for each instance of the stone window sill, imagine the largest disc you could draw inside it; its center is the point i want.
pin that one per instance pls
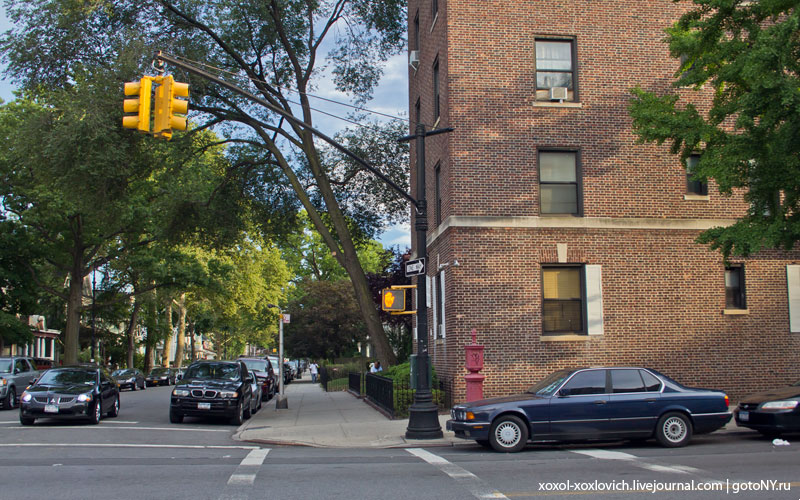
(556, 104)
(565, 338)
(696, 197)
(735, 312)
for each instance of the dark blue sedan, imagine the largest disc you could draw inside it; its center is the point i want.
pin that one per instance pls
(593, 403)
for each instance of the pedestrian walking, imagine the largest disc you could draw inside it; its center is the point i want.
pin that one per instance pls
(314, 368)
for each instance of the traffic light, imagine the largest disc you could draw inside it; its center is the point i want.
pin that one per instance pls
(393, 300)
(168, 106)
(140, 105)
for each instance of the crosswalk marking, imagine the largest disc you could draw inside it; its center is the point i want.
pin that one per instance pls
(244, 475)
(468, 480)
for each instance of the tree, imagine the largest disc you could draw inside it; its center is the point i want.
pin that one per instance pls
(93, 193)
(326, 322)
(748, 55)
(19, 293)
(271, 47)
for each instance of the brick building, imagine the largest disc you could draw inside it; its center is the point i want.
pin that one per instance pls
(555, 235)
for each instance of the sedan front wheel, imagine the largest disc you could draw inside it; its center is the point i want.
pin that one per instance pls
(508, 434)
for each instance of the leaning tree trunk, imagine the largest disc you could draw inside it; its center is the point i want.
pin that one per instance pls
(132, 332)
(180, 347)
(170, 335)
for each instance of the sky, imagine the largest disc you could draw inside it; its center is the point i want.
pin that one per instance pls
(391, 97)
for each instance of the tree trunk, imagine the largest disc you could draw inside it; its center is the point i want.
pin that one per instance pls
(132, 332)
(170, 334)
(181, 347)
(192, 340)
(74, 306)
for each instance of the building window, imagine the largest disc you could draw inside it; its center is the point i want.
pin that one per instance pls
(562, 300)
(694, 186)
(438, 193)
(555, 69)
(434, 10)
(734, 288)
(559, 191)
(436, 90)
(439, 287)
(416, 32)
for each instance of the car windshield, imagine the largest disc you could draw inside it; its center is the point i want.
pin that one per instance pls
(228, 371)
(122, 373)
(548, 385)
(5, 365)
(75, 376)
(158, 371)
(258, 365)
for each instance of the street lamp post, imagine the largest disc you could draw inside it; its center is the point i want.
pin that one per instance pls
(281, 403)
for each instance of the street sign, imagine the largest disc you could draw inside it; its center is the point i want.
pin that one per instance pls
(286, 318)
(415, 267)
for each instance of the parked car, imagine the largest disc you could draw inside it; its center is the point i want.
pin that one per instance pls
(255, 400)
(276, 369)
(42, 364)
(213, 389)
(16, 373)
(71, 392)
(265, 375)
(772, 412)
(179, 373)
(298, 371)
(161, 376)
(591, 404)
(129, 378)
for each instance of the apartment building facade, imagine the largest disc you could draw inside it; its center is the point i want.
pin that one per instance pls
(552, 232)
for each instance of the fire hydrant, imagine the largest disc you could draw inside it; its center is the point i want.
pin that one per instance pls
(474, 365)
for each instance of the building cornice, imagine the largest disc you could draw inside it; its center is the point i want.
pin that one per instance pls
(611, 223)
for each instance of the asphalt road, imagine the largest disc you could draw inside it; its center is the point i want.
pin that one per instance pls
(140, 455)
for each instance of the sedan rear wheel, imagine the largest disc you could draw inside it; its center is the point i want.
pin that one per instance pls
(674, 430)
(11, 399)
(508, 434)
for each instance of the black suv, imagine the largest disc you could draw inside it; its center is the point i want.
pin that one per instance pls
(213, 389)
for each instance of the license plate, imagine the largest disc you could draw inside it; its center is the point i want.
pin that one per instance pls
(744, 416)
(50, 409)
(203, 406)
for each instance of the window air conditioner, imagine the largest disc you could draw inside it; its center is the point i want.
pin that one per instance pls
(413, 59)
(558, 93)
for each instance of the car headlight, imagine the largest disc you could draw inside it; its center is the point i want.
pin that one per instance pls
(180, 392)
(779, 405)
(228, 394)
(132, 380)
(85, 397)
(26, 397)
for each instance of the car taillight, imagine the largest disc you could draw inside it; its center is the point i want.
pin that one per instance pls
(727, 402)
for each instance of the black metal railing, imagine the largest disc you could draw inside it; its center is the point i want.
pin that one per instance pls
(380, 391)
(354, 382)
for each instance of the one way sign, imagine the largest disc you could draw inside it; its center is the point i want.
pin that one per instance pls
(415, 267)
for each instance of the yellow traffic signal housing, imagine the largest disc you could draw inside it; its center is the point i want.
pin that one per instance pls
(140, 105)
(168, 107)
(393, 300)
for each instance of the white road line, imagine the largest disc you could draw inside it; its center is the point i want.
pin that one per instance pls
(126, 445)
(107, 426)
(256, 457)
(637, 462)
(242, 479)
(465, 478)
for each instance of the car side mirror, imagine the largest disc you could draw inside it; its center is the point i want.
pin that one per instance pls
(249, 379)
(563, 393)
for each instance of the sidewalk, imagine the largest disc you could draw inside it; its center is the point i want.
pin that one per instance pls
(341, 420)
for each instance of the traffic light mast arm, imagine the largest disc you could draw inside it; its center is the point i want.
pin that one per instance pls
(160, 56)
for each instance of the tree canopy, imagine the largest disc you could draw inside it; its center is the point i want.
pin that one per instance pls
(747, 56)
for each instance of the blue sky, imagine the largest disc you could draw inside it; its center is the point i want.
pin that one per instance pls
(391, 97)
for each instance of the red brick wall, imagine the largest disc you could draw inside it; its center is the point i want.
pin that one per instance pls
(663, 294)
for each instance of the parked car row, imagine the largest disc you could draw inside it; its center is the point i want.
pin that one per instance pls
(617, 403)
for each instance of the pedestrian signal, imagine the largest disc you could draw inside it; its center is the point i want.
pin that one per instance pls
(393, 300)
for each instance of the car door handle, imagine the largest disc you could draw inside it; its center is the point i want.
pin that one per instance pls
(651, 400)
(600, 402)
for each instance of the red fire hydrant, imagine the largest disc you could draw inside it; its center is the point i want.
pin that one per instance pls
(474, 365)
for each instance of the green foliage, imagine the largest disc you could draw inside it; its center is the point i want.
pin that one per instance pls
(748, 54)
